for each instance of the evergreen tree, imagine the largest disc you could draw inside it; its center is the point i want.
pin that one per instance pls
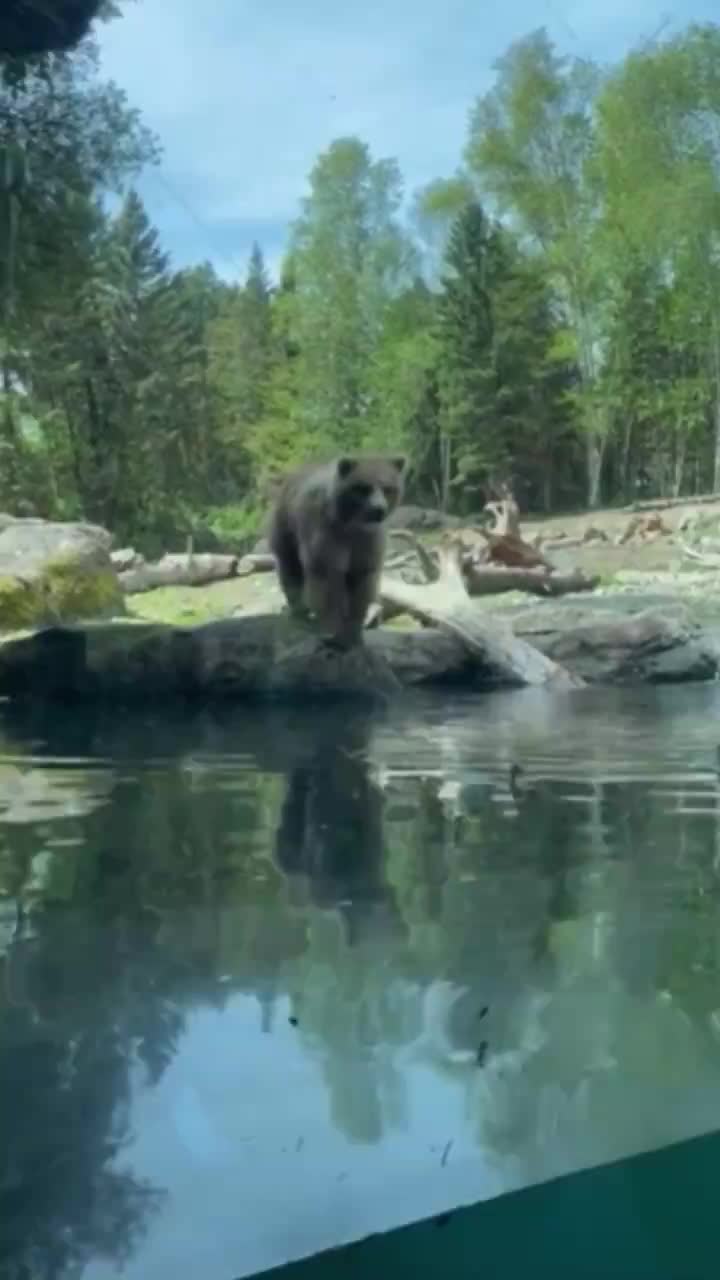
(243, 353)
(276, 441)
(130, 382)
(502, 382)
(257, 348)
(465, 336)
(531, 382)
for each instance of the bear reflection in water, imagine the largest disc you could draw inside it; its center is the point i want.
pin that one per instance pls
(330, 835)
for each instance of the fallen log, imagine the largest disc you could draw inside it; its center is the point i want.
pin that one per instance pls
(561, 544)
(486, 580)
(255, 562)
(640, 527)
(483, 578)
(445, 603)
(663, 503)
(125, 558)
(490, 580)
(425, 557)
(178, 571)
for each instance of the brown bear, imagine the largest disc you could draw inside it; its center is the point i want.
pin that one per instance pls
(327, 533)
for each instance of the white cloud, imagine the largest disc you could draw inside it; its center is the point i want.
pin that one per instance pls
(244, 93)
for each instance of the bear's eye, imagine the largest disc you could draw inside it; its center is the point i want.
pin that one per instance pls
(390, 492)
(361, 490)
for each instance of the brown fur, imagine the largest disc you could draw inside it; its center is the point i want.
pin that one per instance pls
(328, 536)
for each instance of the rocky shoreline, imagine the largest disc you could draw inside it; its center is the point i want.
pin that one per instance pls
(73, 633)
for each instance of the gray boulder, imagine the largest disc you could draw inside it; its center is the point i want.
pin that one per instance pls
(55, 571)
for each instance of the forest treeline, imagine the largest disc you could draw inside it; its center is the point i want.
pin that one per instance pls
(549, 314)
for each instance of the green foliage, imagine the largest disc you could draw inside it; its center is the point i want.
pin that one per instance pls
(350, 259)
(548, 314)
(501, 381)
(531, 145)
(235, 526)
(657, 157)
(402, 405)
(243, 353)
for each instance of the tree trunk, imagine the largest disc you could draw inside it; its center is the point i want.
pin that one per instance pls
(595, 451)
(445, 471)
(716, 363)
(625, 463)
(547, 487)
(679, 465)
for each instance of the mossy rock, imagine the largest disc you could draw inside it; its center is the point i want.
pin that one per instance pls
(51, 572)
(65, 592)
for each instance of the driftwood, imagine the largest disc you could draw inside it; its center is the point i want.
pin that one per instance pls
(511, 550)
(661, 504)
(425, 557)
(704, 559)
(178, 571)
(506, 514)
(490, 580)
(255, 562)
(485, 579)
(569, 542)
(445, 603)
(593, 533)
(504, 542)
(642, 526)
(125, 558)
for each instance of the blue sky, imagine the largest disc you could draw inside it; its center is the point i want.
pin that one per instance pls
(243, 94)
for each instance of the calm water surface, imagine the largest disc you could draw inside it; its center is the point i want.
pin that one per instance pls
(272, 980)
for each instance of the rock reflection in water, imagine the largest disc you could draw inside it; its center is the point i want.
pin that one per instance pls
(338, 962)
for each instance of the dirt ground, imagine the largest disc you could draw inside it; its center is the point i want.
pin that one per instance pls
(607, 559)
(612, 520)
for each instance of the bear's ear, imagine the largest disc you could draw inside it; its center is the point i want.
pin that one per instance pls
(345, 467)
(400, 463)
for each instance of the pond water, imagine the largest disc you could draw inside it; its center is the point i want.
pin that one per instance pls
(275, 979)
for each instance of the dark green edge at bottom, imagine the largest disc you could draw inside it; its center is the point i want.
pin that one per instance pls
(651, 1217)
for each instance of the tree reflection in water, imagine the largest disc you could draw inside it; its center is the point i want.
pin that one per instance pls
(549, 948)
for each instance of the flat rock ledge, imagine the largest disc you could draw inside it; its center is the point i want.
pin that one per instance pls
(268, 656)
